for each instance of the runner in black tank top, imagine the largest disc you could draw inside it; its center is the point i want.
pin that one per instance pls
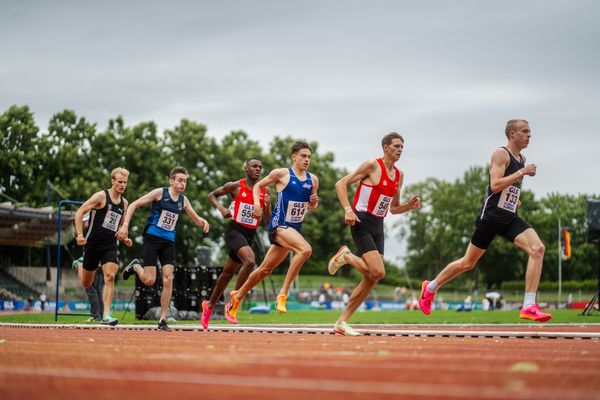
(498, 216)
(107, 208)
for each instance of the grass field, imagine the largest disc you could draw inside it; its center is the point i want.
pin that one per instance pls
(328, 317)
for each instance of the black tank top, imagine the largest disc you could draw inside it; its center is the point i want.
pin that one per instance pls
(104, 223)
(502, 206)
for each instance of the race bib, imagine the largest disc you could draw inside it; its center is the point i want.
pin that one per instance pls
(245, 214)
(167, 220)
(509, 199)
(111, 221)
(382, 205)
(296, 211)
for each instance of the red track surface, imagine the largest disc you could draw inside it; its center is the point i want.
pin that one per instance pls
(109, 364)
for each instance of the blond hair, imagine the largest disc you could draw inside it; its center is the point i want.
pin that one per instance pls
(119, 170)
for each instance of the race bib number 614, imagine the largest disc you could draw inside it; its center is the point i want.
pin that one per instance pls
(296, 211)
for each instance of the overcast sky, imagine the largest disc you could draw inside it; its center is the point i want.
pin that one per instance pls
(447, 75)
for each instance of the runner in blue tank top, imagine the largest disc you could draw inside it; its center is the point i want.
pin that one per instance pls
(296, 193)
(159, 235)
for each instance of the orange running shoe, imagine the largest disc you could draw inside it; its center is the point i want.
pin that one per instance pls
(535, 314)
(280, 303)
(231, 308)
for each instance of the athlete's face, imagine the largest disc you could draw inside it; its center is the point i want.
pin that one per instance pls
(394, 149)
(302, 159)
(254, 169)
(178, 182)
(119, 183)
(521, 135)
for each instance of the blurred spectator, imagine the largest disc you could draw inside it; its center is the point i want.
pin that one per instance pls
(43, 301)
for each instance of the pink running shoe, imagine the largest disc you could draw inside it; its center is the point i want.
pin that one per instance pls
(533, 313)
(206, 313)
(425, 299)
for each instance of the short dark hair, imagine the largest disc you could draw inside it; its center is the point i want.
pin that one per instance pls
(387, 139)
(299, 145)
(251, 159)
(512, 125)
(177, 170)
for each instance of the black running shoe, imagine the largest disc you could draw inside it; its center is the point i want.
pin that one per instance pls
(162, 326)
(129, 269)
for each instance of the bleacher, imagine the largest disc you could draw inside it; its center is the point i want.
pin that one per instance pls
(18, 289)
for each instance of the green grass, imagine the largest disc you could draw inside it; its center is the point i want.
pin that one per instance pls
(328, 317)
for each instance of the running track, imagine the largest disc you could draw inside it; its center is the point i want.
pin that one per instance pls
(136, 362)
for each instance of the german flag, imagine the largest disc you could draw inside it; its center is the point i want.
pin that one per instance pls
(566, 244)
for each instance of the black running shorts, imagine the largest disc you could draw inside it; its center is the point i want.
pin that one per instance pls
(236, 237)
(95, 256)
(273, 234)
(486, 230)
(158, 249)
(368, 233)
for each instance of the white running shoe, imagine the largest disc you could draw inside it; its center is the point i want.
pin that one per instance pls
(342, 328)
(338, 260)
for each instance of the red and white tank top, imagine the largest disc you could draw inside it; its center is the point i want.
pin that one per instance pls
(242, 207)
(376, 199)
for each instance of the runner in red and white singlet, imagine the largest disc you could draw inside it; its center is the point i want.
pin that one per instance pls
(377, 193)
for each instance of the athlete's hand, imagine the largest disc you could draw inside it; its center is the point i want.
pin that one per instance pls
(128, 242)
(314, 201)
(122, 233)
(204, 224)
(267, 198)
(257, 212)
(350, 217)
(225, 212)
(530, 170)
(414, 203)
(81, 240)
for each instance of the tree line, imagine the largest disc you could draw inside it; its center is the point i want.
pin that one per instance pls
(74, 158)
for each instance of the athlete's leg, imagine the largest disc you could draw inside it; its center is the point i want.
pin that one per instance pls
(167, 290)
(85, 277)
(109, 270)
(374, 271)
(529, 241)
(228, 270)
(457, 267)
(275, 255)
(293, 240)
(246, 255)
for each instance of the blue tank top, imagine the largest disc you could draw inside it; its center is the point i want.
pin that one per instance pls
(163, 216)
(292, 203)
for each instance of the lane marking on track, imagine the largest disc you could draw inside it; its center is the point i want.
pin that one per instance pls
(307, 384)
(496, 334)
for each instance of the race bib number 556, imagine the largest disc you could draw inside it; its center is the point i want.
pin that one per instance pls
(167, 220)
(296, 211)
(245, 214)
(509, 199)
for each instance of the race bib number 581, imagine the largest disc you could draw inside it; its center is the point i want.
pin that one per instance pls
(296, 211)
(509, 199)
(381, 207)
(167, 220)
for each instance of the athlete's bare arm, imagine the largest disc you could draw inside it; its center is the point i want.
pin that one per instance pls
(229, 188)
(128, 242)
(149, 197)
(98, 200)
(314, 198)
(363, 171)
(396, 207)
(201, 222)
(275, 176)
(267, 209)
(498, 164)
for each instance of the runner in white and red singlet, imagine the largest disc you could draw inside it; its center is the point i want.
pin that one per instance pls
(377, 193)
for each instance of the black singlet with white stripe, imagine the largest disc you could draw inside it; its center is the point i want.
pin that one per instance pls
(104, 223)
(490, 210)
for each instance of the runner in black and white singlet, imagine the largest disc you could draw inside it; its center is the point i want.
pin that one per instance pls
(159, 235)
(239, 235)
(498, 216)
(296, 194)
(106, 210)
(377, 193)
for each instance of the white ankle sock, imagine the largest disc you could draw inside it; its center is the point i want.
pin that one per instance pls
(529, 299)
(433, 286)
